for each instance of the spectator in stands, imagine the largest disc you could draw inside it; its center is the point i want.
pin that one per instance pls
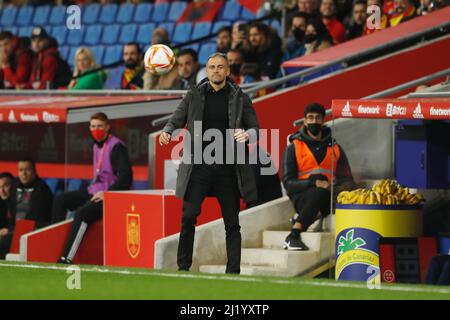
(295, 46)
(235, 60)
(188, 69)
(405, 10)
(344, 10)
(160, 36)
(239, 34)
(84, 62)
(358, 22)
(371, 26)
(427, 6)
(224, 39)
(317, 37)
(7, 201)
(334, 26)
(133, 75)
(309, 7)
(15, 61)
(251, 73)
(112, 172)
(263, 47)
(308, 165)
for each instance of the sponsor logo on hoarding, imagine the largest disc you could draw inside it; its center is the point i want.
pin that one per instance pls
(368, 110)
(49, 117)
(418, 112)
(12, 117)
(346, 111)
(393, 110)
(439, 112)
(29, 117)
(388, 276)
(133, 233)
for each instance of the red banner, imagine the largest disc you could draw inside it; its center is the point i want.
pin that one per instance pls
(414, 109)
(200, 12)
(251, 5)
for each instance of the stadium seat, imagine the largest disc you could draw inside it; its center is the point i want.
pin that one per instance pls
(75, 36)
(277, 26)
(59, 33)
(25, 31)
(230, 11)
(58, 15)
(64, 52)
(98, 52)
(201, 29)
(143, 13)
(247, 15)
(13, 30)
(25, 16)
(112, 54)
(93, 34)
(220, 24)
(128, 33)
(114, 78)
(182, 32)
(8, 16)
(205, 51)
(71, 56)
(126, 11)
(160, 12)
(108, 13)
(169, 26)
(112, 34)
(90, 13)
(52, 183)
(74, 184)
(41, 16)
(176, 10)
(144, 34)
(193, 46)
(48, 29)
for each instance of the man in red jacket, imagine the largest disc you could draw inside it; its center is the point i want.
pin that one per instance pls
(334, 26)
(15, 61)
(45, 63)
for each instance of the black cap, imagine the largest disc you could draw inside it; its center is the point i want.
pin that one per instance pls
(39, 32)
(316, 108)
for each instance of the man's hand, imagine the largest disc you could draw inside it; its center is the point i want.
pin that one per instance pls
(240, 135)
(3, 232)
(322, 184)
(97, 197)
(164, 138)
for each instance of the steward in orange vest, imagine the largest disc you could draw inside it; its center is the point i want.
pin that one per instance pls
(311, 163)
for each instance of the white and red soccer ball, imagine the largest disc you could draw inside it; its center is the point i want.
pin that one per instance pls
(159, 59)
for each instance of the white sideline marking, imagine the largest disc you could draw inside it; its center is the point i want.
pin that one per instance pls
(336, 284)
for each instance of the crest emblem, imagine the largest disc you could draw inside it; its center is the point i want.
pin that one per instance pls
(133, 234)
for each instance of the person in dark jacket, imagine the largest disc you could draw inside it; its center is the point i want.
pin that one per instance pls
(218, 104)
(311, 164)
(112, 172)
(7, 195)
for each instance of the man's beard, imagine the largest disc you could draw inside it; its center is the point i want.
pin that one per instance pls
(131, 64)
(218, 82)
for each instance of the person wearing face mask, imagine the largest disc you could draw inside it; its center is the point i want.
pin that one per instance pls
(295, 47)
(235, 60)
(317, 37)
(112, 171)
(311, 163)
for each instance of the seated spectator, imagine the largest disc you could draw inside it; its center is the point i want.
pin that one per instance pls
(384, 20)
(358, 22)
(295, 46)
(166, 81)
(235, 61)
(188, 68)
(427, 6)
(251, 73)
(334, 26)
(133, 75)
(309, 7)
(317, 37)
(343, 10)
(308, 172)
(405, 10)
(7, 201)
(112, 172)
(239, 34)
(263, 47)
(85, 61)
(224, 39)
(15, 61)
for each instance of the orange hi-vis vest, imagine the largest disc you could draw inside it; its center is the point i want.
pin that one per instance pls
(307, 163)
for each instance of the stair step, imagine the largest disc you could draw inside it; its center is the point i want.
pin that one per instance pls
(284, 259)
(316, 241)
(246, 270)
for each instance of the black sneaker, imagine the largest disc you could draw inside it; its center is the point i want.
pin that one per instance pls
(63, 260)
(294, 243)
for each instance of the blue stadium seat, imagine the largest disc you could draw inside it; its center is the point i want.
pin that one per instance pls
(176, 10)
(58, 15)
(64, 52)
(25, 15)
(201, 29)
(98, 52)
(143, 13)
(8, 16)
(182, 32)
(71, 56)
(13, 30)
(205, 51)
(144, 34)
(52, 183)
(108, 13)
(160, 12)
(74, 184)
(126, 11)
(128, 33)
(140, 185)
(230, 11)
(247, 15)
(112, 54)
(193, 46)
(114, 78)
(48, 29)
(75, 36)
(25, 31)
(90, 13)
(169, 26)
(60, 33)
(93, 34)
(220, 24)
(277, 26)
(112, 34)
(41, 15)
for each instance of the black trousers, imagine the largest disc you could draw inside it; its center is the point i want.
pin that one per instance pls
(309, 203)
(220, 181)
(86, 212)
(5, 244)
(439, 271)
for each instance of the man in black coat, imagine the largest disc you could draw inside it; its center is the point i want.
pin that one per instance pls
(214, 105)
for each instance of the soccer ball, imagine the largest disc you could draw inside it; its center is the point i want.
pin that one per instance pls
(159, 59)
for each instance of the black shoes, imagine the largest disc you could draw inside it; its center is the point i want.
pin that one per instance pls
(294, 242)
(64, 260)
